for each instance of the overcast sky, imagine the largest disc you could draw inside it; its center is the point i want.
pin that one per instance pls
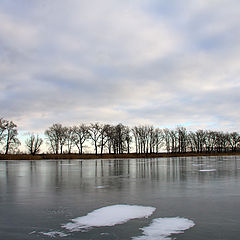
(158, 62)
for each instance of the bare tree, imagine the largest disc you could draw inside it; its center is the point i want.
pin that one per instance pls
(128, 138)
(3, 126)
(70, 139)
(11, 136)
(135, 132)
(166, 136)
(158, 141)
(182, 139)
(33, 144)
(104, 130)
(95, 134)
(234, 140)
(81, 134)
(56, 135)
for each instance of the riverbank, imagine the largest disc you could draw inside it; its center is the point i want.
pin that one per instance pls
(108, 156)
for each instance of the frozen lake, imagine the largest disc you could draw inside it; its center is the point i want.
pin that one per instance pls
(176, 198)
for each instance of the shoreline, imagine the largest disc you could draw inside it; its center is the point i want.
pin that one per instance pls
(109, 156)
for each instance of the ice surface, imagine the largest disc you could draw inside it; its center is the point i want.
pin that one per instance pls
(67, 164)
(162, 228)
(207, 170)
(109, 216)
(54, 234)
(198, 164)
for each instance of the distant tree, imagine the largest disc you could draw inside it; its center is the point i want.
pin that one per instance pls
(70, 139)
(158, 140)
(110, 132)
(33, 144)
(81, 134)
(128, 138)
(173, 140)
(3, 126)
(56, 135)
(182, 136)
(11, 132)
(95, 134)
(234, 140)
(135, 132)
(166, 137)
(103, 139)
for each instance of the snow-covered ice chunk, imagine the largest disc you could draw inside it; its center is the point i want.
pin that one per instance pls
(207, 170)
(162, 228)
(109, 216)
(54, 234)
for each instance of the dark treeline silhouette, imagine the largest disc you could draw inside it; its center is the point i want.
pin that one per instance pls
(119, 139)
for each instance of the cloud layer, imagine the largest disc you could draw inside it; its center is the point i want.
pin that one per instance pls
(135, 62)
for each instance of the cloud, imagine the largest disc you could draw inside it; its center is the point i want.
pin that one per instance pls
(134, 62)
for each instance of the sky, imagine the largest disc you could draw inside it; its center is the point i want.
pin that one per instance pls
(157, 62)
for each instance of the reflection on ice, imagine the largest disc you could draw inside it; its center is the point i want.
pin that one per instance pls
(162, 228)
(100, 187)
(198, 164)
(109, 216)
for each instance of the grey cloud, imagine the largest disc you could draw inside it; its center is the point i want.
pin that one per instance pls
(155, 62)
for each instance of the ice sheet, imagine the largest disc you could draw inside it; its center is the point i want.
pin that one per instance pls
(162, 228)
(198, 164)
(109, 216)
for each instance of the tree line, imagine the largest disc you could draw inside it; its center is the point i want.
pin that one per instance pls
(117, 139)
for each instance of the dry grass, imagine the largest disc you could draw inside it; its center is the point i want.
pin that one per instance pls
(107, 156)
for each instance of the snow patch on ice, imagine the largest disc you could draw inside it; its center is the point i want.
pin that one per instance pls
(104, 234)
(100, 187)
(207, 170)
(109, 216)
(54, 234)
(162, 228)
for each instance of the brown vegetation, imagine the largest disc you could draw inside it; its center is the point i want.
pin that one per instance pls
(108, 156)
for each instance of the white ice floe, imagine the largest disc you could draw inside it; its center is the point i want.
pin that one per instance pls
(100, 187)
(54, 234)
(207, 170)
(109, 216)
(162, 228)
